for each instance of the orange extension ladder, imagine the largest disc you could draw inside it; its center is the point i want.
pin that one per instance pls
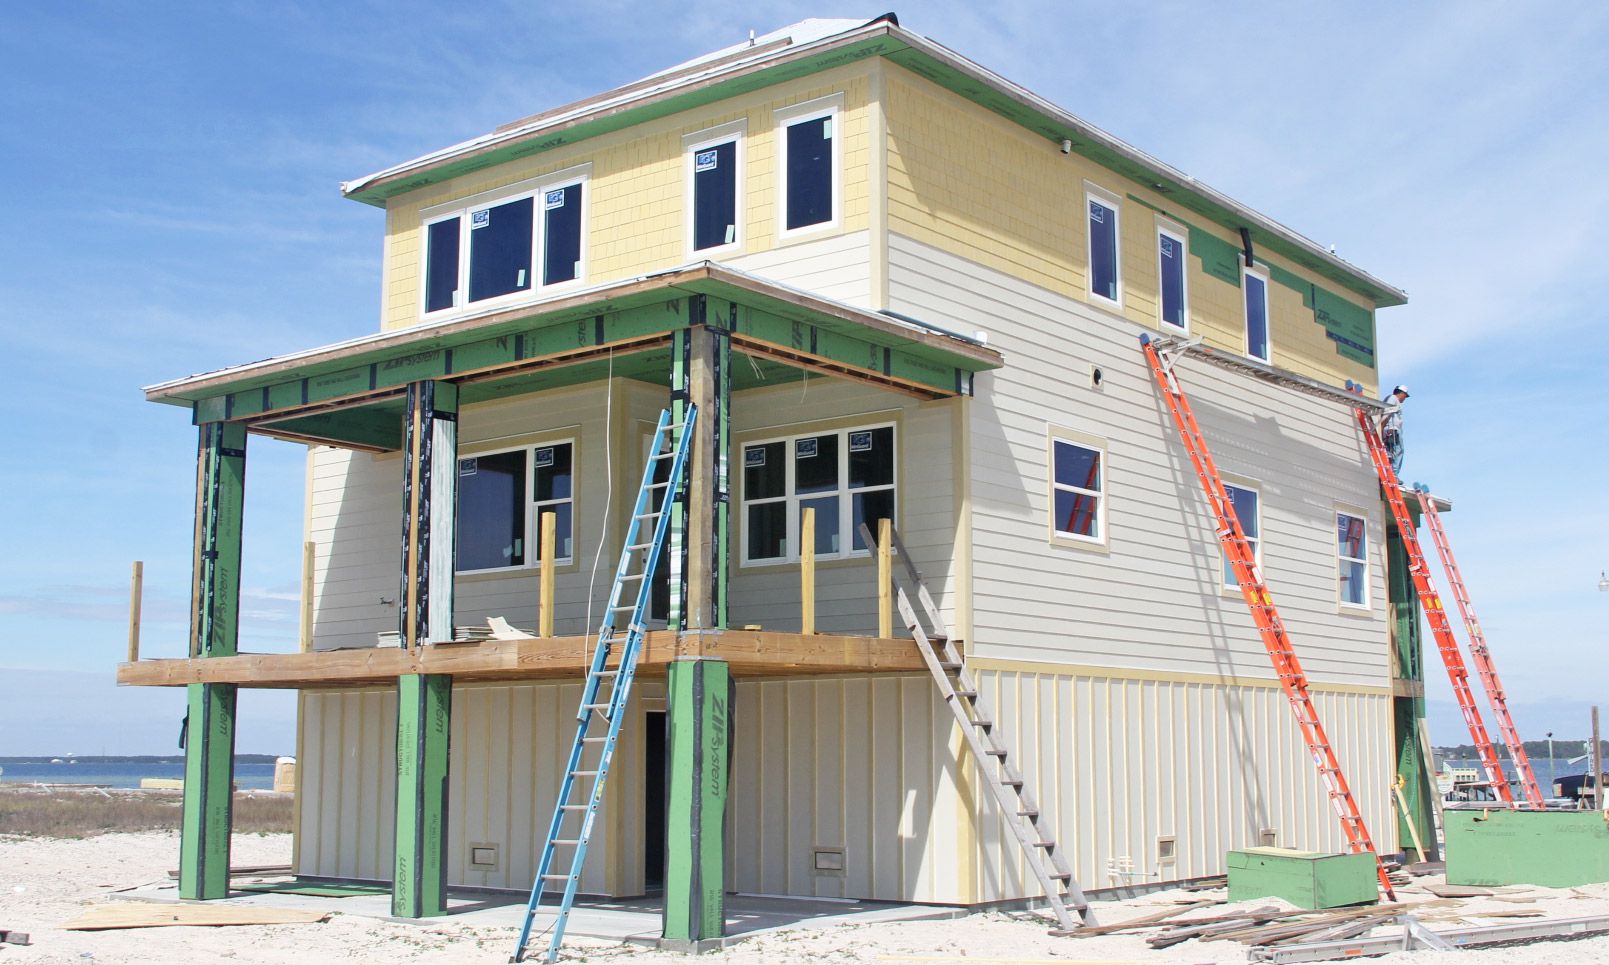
(1263, 612)
(1441, 628)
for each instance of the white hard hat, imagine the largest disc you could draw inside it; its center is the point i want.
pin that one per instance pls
(1401, 388)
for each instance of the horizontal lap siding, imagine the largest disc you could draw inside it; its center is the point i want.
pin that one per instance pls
(1153, 600)
(1118, 763)
(838, 267)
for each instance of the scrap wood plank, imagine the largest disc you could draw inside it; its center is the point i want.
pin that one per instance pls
(1186, 930)
(1266, 934)
(248, 869)
(1140, 922)
(128, 914)
(9, 937)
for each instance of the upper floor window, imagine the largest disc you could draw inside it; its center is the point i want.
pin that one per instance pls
(1255, 283)
(1103, 246)
(499, 247)
(846, 476)
(809, 165)
(1078, 490)
(1352, 558)
(501, 499)
(714, 159)
(1170, 248)
(1249, 512)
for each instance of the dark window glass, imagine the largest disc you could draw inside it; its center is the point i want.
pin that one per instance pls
(1354, 571)
(815, 464)
(869, 508)
(561, 240)
(562, 532)
(1102, 250)
(1246, 512)
(1078, 466)
(1077, 513)
(491, 511)
(809, 172)
(441, 265)
(1256, 317)
(764, 473)
(767, 530)
(715, 196)
(871, 457)
(500, 250)
(826, 508)
(552, 465)
(1171, 254)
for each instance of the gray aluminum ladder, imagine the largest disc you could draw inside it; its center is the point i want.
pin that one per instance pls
(1016, 803)
(608, 690)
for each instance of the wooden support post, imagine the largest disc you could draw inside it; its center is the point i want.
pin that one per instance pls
(699, 703)
(209, 743)
(700, 514)
(424, 701)
(807, 570)
(135, 594)
(550, 543)
(424, 717)
(309, 549)
(885, 578)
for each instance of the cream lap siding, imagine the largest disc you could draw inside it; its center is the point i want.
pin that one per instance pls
(862, 765)
(838, 267)
(354, 523)
(1153, 600)
(925, 508)
(1120, 762)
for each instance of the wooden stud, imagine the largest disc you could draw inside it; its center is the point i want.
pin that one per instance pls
(308, 551)
(136, 591)
(807, 570)
(550, 543)
(885, 578)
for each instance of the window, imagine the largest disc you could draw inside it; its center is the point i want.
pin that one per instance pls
(1103, 266)
(713, 180)
(846, 476)
(501, 499)
(490, 248)
(1078, 484)
(1170, 249)
(809, 167)
(1352, 555)
(1248, 510)
(1256, 286)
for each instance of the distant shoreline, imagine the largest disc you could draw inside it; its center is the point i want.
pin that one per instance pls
(130, 759)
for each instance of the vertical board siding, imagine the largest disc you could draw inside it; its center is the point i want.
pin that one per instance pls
(1119, 763)
(1151, 598)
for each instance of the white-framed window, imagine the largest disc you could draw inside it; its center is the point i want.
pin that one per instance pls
(846, 475)
(1248, 504)
(715, 189)
(502, 495)
(1254, 282)
(1077, 488)
(1352, 559)
(503, 246)
(1172, 278)
(809, 165)
(1105, 267)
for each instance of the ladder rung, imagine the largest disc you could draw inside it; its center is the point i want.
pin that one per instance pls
(557, 877)
(640, 546)
(569, 841)
(1011, 781)
(585, 773)
(606, 673)
(1061, 876)
(968, 694)
(574, 807)
(1028, 813)
(996, 752)
(623, 609)
(648, 516)
(1047, 845)
(593, 740)
(659, 485)
(593, 706)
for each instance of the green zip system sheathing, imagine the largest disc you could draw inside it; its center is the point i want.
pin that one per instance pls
(699, 698)
(1554, 849)
(1408, 712)
(209, 767)
(424, 717)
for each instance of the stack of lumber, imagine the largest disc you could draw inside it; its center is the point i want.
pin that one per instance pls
(1263, 926)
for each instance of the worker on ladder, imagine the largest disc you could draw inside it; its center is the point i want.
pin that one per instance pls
(1391, 425)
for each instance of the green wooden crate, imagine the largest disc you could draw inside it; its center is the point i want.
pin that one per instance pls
(1556, 849)
(1306, 879)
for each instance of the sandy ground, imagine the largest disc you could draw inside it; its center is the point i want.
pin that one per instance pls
(45, 882)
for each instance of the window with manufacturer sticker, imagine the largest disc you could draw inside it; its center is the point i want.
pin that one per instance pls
(808, 160)
(501, 499)
(1103, 265)
(1170, 251)
(501, 249)
(846, 476)
(715, 184)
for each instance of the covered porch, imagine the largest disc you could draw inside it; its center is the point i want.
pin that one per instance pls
(421, 405)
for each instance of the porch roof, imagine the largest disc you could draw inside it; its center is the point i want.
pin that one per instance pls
(349, 393)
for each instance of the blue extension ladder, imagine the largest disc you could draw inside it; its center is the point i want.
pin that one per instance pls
(607, 691)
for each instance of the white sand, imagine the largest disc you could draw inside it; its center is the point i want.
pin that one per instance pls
(44, 883)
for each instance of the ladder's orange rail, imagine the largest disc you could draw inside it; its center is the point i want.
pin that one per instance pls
(1237, 549)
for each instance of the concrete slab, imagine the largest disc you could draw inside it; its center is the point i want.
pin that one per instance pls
(625, 919)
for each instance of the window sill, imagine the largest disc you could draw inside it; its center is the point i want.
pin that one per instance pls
(1097, 546)
(1356, 610)
(808, 232)
(477, 576)
(822, 562)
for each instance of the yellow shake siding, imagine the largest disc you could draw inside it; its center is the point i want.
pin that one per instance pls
(967, 181)
(637, 192)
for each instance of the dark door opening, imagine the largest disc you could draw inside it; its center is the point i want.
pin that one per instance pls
(653, 839)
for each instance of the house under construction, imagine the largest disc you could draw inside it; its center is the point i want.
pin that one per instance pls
(892, 286)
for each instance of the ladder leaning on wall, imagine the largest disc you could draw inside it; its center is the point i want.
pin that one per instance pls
(1018, 809)
(607, 690)
(1238, 551)
(1441, 628)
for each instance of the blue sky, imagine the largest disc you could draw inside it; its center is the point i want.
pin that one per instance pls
(171, 196)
